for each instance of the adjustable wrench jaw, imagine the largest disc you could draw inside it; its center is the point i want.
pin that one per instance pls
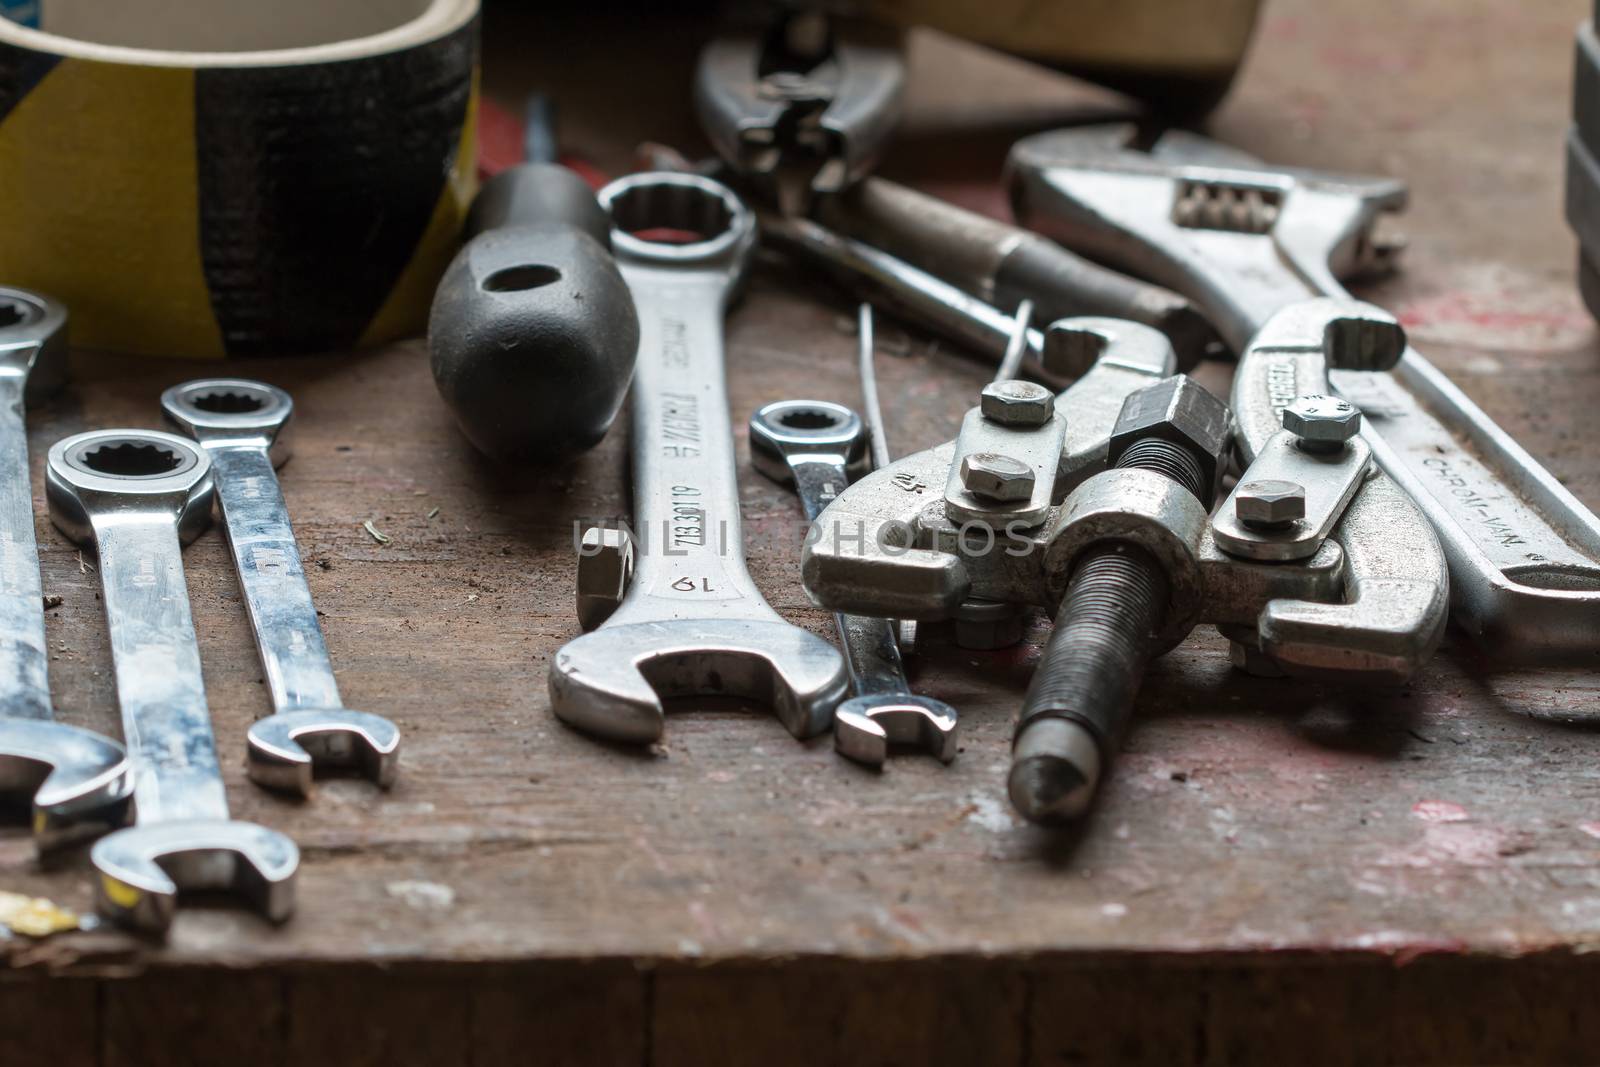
(1161, 216)
(691, 622)
(889, 548)
(143, 868)
(233, 413)
(1394, 605)
(78, 782)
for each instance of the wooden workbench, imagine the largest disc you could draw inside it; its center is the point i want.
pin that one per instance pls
(1276, 872)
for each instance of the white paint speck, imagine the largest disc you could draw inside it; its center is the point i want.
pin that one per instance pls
(1113, 910)
(990, 813)
(424, 896)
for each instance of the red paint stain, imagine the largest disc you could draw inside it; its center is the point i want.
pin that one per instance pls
(1439, 811)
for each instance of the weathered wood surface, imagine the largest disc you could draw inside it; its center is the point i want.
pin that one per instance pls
(1368, 877)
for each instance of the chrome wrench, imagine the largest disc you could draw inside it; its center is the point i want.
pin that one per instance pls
(1244, 240)
(815, 446)
(76, 781)
(691, 622)
(243, 426)
(136, 497)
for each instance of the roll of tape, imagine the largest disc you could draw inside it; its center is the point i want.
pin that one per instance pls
(220, 177)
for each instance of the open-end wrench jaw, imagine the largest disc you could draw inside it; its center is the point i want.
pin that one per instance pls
(691, 622)
(866, 726)
(77, 781)
(236, 420)
(143, 868)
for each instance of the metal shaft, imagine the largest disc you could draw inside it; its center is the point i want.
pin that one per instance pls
(165, 720)
(26, 688)
(277, 598)
(1088, 678)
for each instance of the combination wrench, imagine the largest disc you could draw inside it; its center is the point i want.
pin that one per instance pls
(815, 447)
(244, 427)
(1244, 240)
(136, 497)
(76, 781)
(691, 622)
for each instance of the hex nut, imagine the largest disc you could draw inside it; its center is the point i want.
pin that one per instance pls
(1014, 403)
(1180, 410)
(997, 477)
(605, 566)
(1322, 423)
(1269, 503)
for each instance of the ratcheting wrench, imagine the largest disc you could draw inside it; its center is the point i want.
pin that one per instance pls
(243, 426)
(816, 446)
(136, 497)
(1243, 240)
(691, 622)
(77, 781)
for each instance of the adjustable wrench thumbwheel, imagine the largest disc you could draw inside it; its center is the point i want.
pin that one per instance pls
(76, 781)
(816, 447)
(692, 622)
(244, 427)
(136, 497)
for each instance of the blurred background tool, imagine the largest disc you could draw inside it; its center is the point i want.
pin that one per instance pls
(1004, 264)
(1583, 163)
(533, 332)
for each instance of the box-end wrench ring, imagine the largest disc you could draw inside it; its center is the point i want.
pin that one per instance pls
(814, 446)
(76, 781)
(135, 497)
(244, 427)
(692, 622)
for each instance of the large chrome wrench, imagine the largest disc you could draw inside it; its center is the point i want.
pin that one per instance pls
(1244, 240)
(691, 622)
(244, 428)
(814, 446)
(135, 497)
(76, 781)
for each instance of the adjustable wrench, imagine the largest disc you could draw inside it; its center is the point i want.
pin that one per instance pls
(243, 426)
(76, 780)
(691, 622)
(136, 497)
(1244, 240)
(815, 447)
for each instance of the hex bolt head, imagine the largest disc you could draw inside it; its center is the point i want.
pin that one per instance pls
(1322, 423)
(1014, 403)
(1269, 503)
(997, 477)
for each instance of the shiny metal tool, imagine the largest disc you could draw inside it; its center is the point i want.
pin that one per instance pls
(135, 497)
(244, 427)
(806, 104)
(76, 781)
(691, 622)
(1003, 264)
(818, 447)
(1244, 240)
(1367, 605)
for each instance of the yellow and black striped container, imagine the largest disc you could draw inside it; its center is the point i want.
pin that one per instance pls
(219, 177)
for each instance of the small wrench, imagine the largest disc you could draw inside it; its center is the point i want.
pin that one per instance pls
(244, 427)
(136, 497)
(77, 781)
(691, 622)
(815, 447)
(1244, 240)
